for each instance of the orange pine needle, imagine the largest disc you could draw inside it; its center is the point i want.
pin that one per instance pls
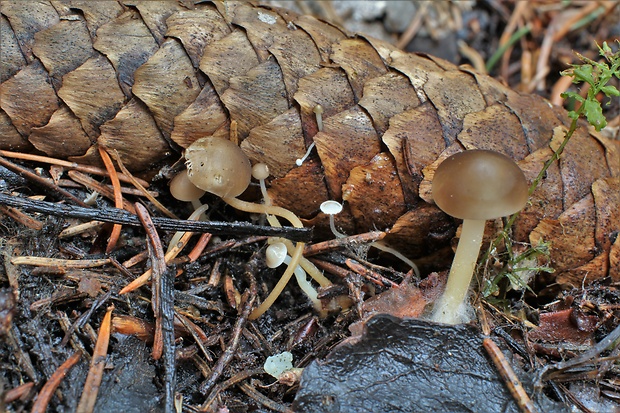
(200, 246)
(18, 392)
(143, 279)
(140, 187)
(46, 393)
(66, 164)
(95, 374)
(94, 185)
(118, 197)
(134, 326)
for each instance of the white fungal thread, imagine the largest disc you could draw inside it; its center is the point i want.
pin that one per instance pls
(318, 112)
(92, 198)
(301, 160)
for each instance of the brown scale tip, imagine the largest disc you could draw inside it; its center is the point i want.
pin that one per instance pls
(479, 184)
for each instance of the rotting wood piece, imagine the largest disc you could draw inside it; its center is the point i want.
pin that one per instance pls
(157, 72)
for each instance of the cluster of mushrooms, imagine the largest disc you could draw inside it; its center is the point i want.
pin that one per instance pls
(474, 185)
(220, 167)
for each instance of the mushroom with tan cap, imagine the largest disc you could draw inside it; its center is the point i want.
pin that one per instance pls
(183, 189)
(475, 186)
(220, 167)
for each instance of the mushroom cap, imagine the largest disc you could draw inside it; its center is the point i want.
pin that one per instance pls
(331, 207)
(260, 171)
(275, 254)
(183, 189)
(218, 166)
(479, 184)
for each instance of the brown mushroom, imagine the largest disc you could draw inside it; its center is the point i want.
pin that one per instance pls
(474, 186)
(220, 167)
(183, 189)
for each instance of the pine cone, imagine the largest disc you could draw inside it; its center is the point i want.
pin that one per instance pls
(147, 78)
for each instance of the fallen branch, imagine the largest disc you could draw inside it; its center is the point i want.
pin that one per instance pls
(118, 216)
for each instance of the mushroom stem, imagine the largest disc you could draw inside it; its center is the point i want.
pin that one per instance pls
(451, 307)
(301, 160)
(295, 257)
(306, 287)
(264, 209)
(380, 245)
(307, 265)
(196, 204)
(197, 215)
(277, 290)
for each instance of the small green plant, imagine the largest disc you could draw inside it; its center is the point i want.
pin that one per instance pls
(597, 75)
(518, 270)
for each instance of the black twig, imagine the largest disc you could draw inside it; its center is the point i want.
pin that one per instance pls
(119, 216)
(163, 307)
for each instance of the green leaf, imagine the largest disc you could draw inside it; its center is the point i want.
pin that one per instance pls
(573, 95)
(584, 74)
(490, 289)
(610, 91)
(594, 114)
(605, 50)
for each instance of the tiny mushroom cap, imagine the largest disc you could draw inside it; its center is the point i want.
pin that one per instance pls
(275, 254)
(331, 207)
(218, 166)
(479, 184)
(260, 171)
(183, 189)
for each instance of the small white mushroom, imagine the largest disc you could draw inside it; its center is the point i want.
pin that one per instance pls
(275, 254)
(332, 208)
